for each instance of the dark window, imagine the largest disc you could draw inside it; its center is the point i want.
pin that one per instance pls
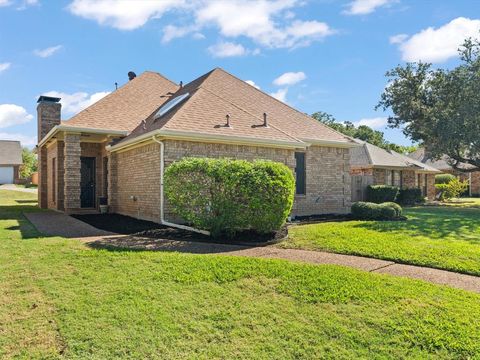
(54, 180)
(300, 173)
(105, 176)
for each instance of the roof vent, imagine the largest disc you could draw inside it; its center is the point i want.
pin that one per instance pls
(170, 105)
(265, 121)
(228, 121)
(131, 75)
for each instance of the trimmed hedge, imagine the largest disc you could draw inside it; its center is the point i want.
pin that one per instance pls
(372, 211)
(444, 178)
(227, 196)
(410, 196)
(381, 193)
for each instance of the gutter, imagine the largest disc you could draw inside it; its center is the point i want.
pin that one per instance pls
(162, 207)
(76, 129)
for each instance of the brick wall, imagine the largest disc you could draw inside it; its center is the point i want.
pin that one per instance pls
(72, 151)
(431, 186)
(379, 177)
(476, 183)
(42, 178)
(408, 179)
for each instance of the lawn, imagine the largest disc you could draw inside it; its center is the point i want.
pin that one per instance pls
(62, 299)
(444, 237)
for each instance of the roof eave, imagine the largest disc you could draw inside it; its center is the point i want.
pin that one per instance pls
(332, 143)
(76, 129)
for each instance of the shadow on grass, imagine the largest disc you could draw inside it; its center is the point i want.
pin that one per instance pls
(433, 222)
(15, 212)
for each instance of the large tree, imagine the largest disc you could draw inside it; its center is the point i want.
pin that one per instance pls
(439, 107)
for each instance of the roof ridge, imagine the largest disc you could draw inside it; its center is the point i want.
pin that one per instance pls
(247, 112)
(159, 74)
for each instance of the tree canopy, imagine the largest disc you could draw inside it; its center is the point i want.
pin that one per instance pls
(29, 165)
(439, 107)
(362, 132)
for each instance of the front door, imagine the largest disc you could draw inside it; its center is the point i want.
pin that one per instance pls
(87, 182)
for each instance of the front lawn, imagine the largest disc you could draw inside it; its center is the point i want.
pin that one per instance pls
(62, 299)
(444, 237)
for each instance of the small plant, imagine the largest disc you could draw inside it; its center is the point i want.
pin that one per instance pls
(410, 196)
(452, 189)
(381, 193)
(444, 178)
(372, 211)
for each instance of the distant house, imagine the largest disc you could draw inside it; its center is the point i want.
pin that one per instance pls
(443, 165)
(371, 165)
(119, 146)
(10, 161)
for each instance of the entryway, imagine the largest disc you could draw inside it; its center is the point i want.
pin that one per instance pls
(87, 182)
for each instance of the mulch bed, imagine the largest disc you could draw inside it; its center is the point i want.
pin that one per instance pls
(127, 225)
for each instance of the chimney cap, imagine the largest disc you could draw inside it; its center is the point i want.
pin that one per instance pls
(51, 99)
(131, 75)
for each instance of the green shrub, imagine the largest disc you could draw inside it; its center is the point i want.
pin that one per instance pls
(451, 190)
(381, 193)
(443, 178)
(410, 196)
(226, 196)
(372, 211)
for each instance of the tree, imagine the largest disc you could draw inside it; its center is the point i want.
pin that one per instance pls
(439, 107)
(29, 163)
(362, 132)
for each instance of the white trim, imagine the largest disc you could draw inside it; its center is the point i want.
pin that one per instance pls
(75, 129)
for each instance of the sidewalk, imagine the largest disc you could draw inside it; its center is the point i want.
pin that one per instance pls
(16, 188)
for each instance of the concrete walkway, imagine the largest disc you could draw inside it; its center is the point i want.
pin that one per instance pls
(58, 224)
(16, 188)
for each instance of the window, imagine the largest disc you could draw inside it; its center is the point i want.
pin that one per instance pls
(300, 172)
(388, 177)
(397, 178)
(54, 180)
(105, 176)
(418, 181)
(425, 185)
(170, 105)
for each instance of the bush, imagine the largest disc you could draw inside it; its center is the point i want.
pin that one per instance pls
(451, 190)
(443, 178)
(227, 196)
(410, 196)
(381, 193)
(372, 211)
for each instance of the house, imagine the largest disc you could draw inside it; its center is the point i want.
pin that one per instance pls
(371, 165)
(443, 165)
(10, 161)
(119, 147)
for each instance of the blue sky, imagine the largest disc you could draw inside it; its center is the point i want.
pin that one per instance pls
(328, 55)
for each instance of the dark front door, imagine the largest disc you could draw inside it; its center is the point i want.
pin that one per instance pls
(87, 182)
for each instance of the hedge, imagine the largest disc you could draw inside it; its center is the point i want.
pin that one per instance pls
(410, 196)
(444, 178)
(372, 211)
(226, 196)
(381, 193)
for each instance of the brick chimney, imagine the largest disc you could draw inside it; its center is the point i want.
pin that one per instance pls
(48, 114)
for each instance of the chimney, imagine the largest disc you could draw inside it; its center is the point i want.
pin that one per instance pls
(131, 75)
(48, 114)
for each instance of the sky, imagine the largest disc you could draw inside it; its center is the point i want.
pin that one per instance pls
(318, 55)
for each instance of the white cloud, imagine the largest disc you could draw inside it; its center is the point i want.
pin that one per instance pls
(227, 49)
(5, 3)
(4, 66)
(441, 44)
(25, 140)
(198, 36)
(171, 32)
(374, 123)
(73, 103)
(11, 115)
(44, 53)
(280, 94)
(251, 82)
(289, 78)
(398, 39)
(123, 15)
(363, 7)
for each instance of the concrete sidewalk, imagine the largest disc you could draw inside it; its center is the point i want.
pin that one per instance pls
(12, 187)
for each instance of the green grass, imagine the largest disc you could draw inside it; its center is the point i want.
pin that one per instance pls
(62, 299)
(444, 237)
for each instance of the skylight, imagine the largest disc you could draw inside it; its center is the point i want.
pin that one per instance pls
(170, 105)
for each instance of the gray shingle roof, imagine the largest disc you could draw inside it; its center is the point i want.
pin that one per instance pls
(10, 152)
(441, 164)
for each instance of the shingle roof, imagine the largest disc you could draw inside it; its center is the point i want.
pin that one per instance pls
(371, 155)
(126, 107)
(441, 164)
(217, 93)
(10, 152)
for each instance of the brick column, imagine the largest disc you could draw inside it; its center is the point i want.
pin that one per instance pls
(60, 176)
(408, 179)
(42, 178)
(347, 181)
(431, 186)
(112, 180)
(72, 152)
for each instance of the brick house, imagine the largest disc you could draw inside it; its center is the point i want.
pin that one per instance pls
(118, 147)
(443, 165)
(10, 161)
(371, 165)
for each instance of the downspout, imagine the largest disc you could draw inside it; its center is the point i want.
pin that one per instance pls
(162, 211)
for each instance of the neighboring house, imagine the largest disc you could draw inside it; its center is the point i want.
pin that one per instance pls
(119, 146)
(443, 165)
(10, 161)
(371, 165)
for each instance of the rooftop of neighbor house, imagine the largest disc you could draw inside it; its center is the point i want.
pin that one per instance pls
(151, 102)
(10, 152)
(369, 155)
(422, 155)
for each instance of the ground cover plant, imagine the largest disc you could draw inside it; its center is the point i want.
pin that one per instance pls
(61, 299)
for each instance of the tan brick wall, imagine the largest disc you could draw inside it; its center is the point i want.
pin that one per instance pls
(379, 177)
(431, 186)
(476, 183)
(42, 178)
(408, 179)
(72, 153)
(135, 188)
(52, 192)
